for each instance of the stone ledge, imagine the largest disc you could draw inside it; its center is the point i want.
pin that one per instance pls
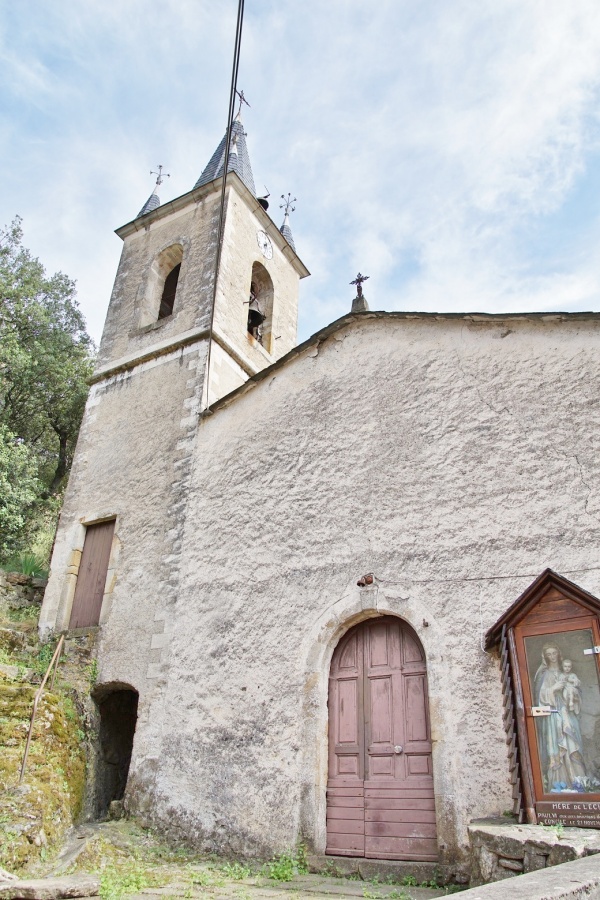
(51, 888)
(368, 869)
(570, 881)
(14, 673)
(502, 849)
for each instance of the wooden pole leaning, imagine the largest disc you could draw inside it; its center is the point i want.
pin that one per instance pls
(38, 696)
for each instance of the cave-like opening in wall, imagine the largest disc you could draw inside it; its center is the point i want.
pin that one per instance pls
(117, 706)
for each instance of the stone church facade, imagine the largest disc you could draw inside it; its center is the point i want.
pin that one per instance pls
(450, 458)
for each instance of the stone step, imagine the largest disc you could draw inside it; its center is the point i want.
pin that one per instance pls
(368, 869)
(51, 888)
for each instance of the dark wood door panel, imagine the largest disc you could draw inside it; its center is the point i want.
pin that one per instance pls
(412, 829)
(345, 844)
(426, 803)
(380, 746)
(416, 849)
(91, 578)
(399, 815)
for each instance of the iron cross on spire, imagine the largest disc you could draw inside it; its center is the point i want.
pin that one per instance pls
(287, 204)
(358, 281)
(242, 100)
(161, 177)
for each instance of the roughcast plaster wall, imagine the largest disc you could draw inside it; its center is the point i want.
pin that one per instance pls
(130, 464)
(452, 457)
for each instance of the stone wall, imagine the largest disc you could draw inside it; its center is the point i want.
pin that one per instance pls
(502, 850)
(577, 880)
(18, 591)
(450, 456)
(231, 313)
(192, 227)
(453, 458)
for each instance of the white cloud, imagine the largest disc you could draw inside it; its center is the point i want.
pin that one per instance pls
(426, 142)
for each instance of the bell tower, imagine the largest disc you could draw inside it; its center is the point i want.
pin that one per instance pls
(163, 292)
(154, 375)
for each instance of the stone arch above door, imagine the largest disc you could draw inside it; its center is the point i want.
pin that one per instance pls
(380, 797)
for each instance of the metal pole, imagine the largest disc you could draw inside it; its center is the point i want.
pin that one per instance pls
(232, 93)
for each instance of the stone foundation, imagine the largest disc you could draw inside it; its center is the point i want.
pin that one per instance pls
(386, 870)
(501, 848)
(18, 591)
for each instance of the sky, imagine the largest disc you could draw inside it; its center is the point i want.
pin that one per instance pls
(449, 150)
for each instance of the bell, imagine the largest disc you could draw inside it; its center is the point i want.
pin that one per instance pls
(255, 318)
(365, 580)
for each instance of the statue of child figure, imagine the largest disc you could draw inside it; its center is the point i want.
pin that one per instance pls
(571, 687)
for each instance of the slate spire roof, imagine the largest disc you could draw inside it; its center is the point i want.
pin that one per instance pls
(153, 200)
(285, 228)
(287, 231)
(239, 161)
(151, 203)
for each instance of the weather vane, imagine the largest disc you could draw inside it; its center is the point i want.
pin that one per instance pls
(242, 100)
(160, 178)
(358, 281)
(287, 204)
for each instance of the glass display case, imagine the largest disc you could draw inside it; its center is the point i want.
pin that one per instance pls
(551, 643)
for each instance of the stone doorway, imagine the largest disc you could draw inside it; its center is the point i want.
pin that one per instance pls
(380, 798)
(117, 708)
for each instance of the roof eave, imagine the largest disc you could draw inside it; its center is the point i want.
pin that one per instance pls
(531, 595)
(324, 333)
(141, 223)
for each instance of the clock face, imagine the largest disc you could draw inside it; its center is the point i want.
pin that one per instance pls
(264, 242)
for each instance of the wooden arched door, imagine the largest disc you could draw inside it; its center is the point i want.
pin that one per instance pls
(380, 800)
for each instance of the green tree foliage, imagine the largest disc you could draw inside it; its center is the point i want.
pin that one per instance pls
(45, 360)
(19, 487)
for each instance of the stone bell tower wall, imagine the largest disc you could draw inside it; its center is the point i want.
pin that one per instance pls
(186, 230)
(194, 228)
(135, 445)
(131, 464)
(240, 253)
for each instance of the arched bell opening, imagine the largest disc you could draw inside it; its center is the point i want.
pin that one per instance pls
(167, 299)
(380, 796)
(117, 706)
(260, 306)
(160, 290)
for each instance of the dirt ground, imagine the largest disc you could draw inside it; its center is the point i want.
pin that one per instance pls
(131, 861)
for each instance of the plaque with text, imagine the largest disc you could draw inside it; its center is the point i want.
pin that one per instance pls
(583, 814)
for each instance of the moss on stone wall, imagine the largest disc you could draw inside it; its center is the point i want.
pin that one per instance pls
(35, 814)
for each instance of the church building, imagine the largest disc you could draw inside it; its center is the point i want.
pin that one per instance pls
(343, 592)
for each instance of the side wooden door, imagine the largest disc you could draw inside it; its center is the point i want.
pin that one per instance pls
(91, 579)
(380, 799)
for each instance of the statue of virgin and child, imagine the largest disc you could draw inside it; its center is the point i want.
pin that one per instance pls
(557, 686)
